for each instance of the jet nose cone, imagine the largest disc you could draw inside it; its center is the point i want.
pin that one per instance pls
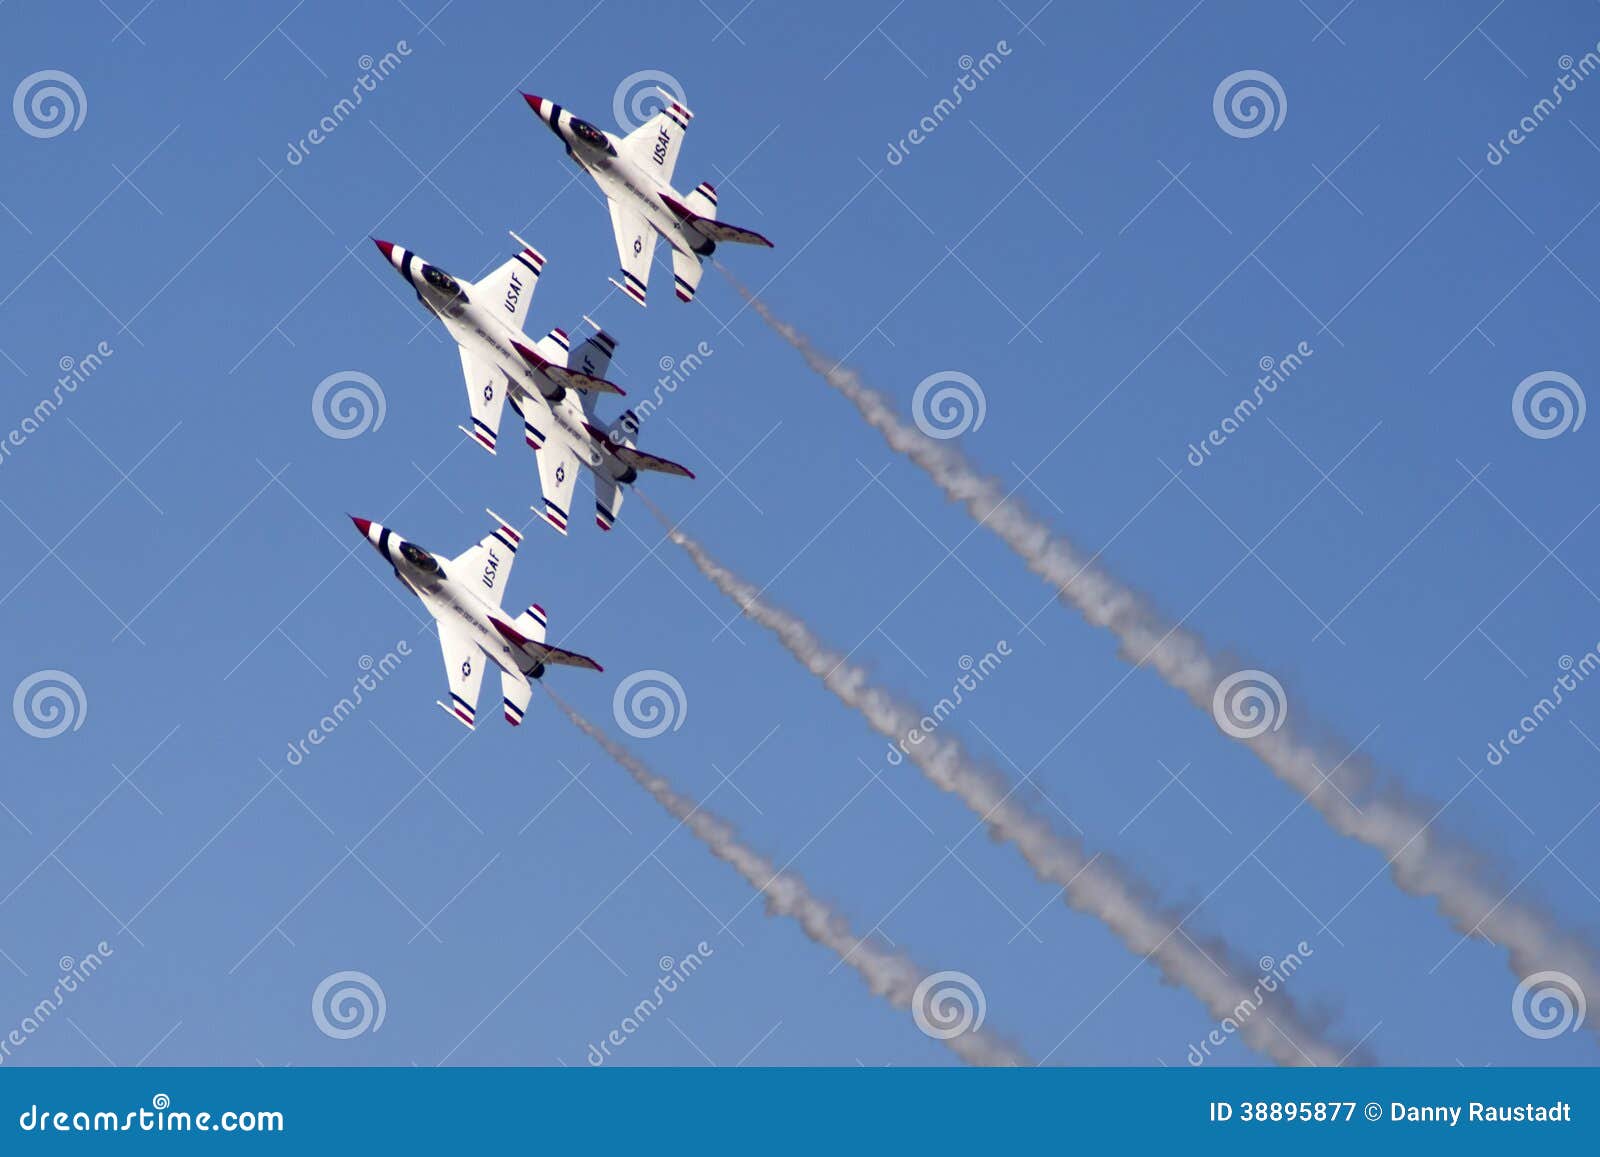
(536, 103)
(364, 525)
(385, 247)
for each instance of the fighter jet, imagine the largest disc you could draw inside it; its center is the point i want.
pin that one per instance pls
(635, 174)
(487, 321)
(565, 432)
(463, 595)
(540, 378)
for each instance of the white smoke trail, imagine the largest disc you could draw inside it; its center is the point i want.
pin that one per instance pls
(890, 975)
(1095, 885)
(1421, 861)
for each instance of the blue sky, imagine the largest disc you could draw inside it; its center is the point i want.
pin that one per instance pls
(1081, 237)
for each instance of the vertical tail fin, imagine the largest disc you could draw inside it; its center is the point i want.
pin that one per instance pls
(607, 501)
(703, 201)
(531, 623)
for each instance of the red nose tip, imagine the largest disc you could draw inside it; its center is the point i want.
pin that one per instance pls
(385, 247)
(536, 103)
(362, 524)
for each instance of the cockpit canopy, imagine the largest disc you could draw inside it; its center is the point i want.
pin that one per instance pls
(419, 558)
(441, 281)
(590, 135)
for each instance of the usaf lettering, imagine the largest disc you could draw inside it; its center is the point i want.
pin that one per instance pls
(491, 570)
(513, 294)
(662, 141)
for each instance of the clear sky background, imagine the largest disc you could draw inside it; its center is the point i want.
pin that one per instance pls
(1080, 236)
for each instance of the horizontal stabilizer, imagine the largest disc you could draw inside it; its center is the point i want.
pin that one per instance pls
(639, 460)
(563, 377)
(715, 230)
(540, 654)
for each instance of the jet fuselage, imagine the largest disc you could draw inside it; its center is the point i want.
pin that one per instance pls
(448, 597)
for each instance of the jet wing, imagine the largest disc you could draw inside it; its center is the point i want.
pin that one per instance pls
(486, 568)
(558, 477)
(509, 289)
(464, 661)
(654, 145)
(636, 245)
(486, 394)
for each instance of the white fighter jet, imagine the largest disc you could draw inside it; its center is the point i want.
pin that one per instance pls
(541, 379)
(635, 174)
(463, 595)
(486, 320)
(565, 432)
